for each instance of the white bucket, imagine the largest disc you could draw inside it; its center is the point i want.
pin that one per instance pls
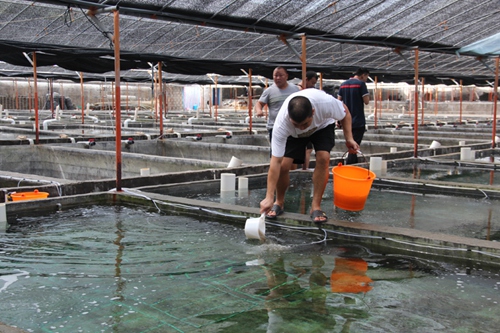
(435, 144)
(145, 172)
(235, 162)
(227, 182)
(376, 164)
(255, 228)
(242, 183)
(461, 143)
(465, 154)
(394, 149)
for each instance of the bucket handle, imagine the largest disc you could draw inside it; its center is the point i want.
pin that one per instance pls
(344, 155)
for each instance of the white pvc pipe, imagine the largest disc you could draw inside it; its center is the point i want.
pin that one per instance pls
(45, 123)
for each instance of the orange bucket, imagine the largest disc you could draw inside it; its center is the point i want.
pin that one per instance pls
(351, 186)
(29, 195)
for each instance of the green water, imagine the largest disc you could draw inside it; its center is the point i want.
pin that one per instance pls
(122, 269)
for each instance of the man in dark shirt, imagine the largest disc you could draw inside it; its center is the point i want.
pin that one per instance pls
(355, 95)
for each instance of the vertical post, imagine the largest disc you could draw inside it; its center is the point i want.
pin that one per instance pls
(116, 40)
(375, 105)
(415, 125)
(37, 127)
(216, 99)
(436, 98)
(495, 99)
(250, 97)
(461, 86)
(304, 60)
(210, 96)
(81, 95)
(160, 98)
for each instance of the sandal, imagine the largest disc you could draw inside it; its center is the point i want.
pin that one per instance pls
(277, 212)
(316, 214)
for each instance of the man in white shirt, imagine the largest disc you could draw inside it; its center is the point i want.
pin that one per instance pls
(306, 116)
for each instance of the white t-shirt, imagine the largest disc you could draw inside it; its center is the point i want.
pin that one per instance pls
(327, 110)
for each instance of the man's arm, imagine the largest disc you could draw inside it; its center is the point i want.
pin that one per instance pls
(366, 99)
(272, 180)
(258, 109)
(347, 128)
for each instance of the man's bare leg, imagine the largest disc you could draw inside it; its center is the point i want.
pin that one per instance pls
(320, 179)
(283, 183)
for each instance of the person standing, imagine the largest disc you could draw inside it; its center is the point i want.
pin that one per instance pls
(311, 80)
(274, 96)
(305, 116)
(355, 95)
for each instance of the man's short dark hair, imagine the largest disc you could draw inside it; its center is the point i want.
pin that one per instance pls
(299, 108)
(362, 71)
(311, 74)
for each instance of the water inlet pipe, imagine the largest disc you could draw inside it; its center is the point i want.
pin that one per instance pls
(190, 120)
(94, 118)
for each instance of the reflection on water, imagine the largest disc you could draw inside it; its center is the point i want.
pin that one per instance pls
(119, 269)
(459, 216)
(448, 174)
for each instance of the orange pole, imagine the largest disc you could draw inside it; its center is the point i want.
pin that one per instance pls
(415, 139)
(436, 102)
(495, 99)
(61, 97)
(160, 98)
(250, 96)
(210, 101)
(116, 40)
(37, 129)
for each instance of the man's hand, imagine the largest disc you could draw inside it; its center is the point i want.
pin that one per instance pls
(352, 146)
(266, 205)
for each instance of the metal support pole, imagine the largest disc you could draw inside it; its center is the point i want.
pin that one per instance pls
(415, 138)
(116, 42)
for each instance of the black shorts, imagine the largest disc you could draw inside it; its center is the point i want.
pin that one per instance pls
(323, 139)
